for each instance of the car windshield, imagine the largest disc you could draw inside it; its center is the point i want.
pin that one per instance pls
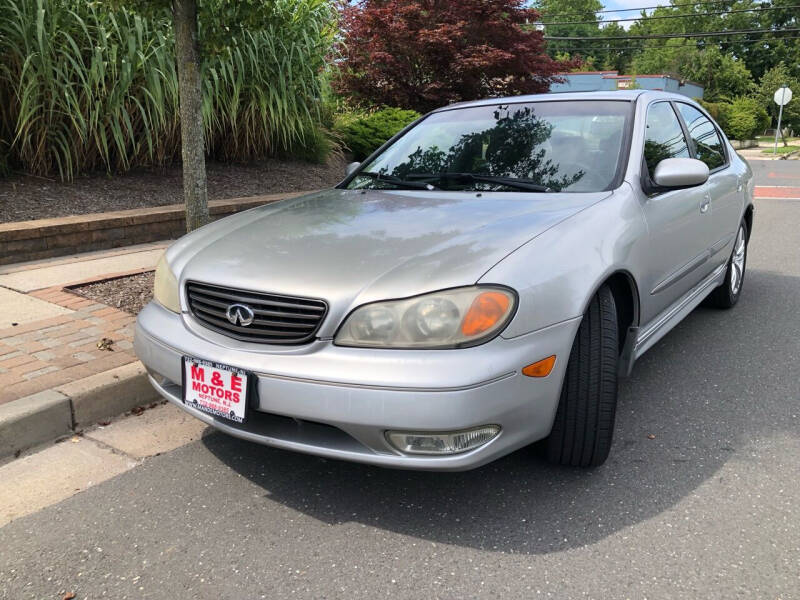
(557, 146)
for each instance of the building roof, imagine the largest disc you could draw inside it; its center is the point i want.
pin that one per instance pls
(616, 75)
(628, 95)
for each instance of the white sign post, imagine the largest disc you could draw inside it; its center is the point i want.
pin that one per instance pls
(782, 97)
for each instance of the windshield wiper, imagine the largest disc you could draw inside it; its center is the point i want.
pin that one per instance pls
(512, 182)
(416, 185)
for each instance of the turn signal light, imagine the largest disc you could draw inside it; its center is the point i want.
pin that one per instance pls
(486, 310)
(540, 368)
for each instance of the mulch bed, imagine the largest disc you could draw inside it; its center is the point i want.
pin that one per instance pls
(128, 293)
(24, 198)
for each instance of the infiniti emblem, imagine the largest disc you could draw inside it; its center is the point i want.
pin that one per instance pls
(240, 314)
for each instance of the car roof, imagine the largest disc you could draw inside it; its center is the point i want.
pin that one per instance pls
(626, 95)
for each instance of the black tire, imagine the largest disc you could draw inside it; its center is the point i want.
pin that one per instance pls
(725, 296)
(584, 423)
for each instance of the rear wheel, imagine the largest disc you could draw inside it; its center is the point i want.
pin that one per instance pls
(727, 294)
(584, 423)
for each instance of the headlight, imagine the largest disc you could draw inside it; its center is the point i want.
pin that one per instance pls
(448, 319)
(165, 288)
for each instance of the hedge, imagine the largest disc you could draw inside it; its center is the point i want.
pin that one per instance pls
(363, 135)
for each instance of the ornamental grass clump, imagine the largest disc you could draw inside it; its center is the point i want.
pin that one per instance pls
(84, 86)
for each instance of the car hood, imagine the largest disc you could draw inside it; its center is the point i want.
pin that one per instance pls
(349, 247)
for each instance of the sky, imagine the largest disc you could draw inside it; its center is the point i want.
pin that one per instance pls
(617, 4)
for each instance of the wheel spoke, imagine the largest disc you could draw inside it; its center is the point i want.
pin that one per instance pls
(737, 261)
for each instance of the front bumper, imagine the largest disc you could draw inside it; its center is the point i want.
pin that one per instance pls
(339, 402)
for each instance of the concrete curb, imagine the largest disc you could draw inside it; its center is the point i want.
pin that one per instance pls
(48, 415)
(32, 420)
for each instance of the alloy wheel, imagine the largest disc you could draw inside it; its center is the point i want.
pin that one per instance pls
(737, 262)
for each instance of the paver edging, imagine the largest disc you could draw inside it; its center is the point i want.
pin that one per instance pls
(22, 241)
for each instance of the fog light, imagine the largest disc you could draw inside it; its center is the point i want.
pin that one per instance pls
(442, 443)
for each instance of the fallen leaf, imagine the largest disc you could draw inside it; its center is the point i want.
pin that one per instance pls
(137, 410)
(69, 596)
(105, 344)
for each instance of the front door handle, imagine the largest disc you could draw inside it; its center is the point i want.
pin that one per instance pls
(705, 204)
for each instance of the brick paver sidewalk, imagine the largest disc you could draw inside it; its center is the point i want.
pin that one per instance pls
(42, 354)
(56, 339)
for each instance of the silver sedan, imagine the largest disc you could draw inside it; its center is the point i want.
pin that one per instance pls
(479, 283)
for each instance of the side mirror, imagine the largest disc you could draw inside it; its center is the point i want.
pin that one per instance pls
(680, 172)
(351, 168)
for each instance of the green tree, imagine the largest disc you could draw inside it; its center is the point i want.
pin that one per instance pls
(572, 13)
(568, 18)
(707, 61)
(721, 75)
(772, 80)
(772, 49)
(617, 54)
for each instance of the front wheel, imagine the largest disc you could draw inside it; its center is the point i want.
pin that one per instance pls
(584, 423)
(727, 294)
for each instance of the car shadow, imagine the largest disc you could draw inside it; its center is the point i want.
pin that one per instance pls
(700, 397)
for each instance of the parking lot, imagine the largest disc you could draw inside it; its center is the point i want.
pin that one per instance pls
(699, 498)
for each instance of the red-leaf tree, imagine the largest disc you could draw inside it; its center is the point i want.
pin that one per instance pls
(423, 54)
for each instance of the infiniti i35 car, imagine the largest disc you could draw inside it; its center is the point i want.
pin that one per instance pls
(477, 284)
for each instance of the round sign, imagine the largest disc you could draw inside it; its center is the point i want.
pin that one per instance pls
(782, 96)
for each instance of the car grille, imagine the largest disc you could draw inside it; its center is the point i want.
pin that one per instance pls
(278, 319)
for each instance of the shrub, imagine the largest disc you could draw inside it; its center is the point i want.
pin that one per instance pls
(741, 119)
(780, 75)
(365, 134)
(745, 118)
(88, 85)
(423, 55)
(715, 109)
(740, 124)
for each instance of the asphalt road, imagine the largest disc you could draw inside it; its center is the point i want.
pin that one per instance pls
(776, 172)
(706, 509)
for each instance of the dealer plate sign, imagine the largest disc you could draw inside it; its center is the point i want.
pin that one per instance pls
(216, 389)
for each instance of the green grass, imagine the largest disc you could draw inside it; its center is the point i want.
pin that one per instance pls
(769, 139)
(84, 86)
(781, 149)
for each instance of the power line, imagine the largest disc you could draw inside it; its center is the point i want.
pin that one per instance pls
(619, 10)
(656, 36)
(609, 48)
(650, 18)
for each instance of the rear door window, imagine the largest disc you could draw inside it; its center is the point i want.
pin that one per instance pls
(706, 142)
(664, 136)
